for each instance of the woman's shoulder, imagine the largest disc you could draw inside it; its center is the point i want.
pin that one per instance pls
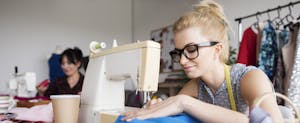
(239, 70)
(242, 68)
(247, 73)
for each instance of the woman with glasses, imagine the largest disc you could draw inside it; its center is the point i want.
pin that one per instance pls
(217, 92)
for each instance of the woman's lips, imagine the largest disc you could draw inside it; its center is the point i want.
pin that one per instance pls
(188, 68)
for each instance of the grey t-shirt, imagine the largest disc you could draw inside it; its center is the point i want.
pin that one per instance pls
(221, 98)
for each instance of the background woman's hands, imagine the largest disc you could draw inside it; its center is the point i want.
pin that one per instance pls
(42, 87)
(158, 108)
(41, 90)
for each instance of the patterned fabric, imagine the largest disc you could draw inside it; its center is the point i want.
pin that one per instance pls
(61, 86)
(267, 59)
(283, 38)
(220, 98)
(288, 55)
(294, 85)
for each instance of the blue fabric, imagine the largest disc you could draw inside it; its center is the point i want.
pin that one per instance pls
(55, 70)
(267, 59)
(180, 118)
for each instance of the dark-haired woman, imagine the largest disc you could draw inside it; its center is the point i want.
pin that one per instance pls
(70, 62)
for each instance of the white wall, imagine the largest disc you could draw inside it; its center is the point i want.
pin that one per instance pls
(154, 14)
(30, 30)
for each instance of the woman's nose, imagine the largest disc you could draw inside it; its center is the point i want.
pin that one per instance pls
(183, 59)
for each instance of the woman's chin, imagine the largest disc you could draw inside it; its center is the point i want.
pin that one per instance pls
(68, 73)
(190, 75)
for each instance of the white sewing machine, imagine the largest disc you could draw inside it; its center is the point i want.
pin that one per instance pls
(102, 94)
(23, 85)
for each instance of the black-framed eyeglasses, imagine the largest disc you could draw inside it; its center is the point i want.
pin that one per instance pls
(190, 51)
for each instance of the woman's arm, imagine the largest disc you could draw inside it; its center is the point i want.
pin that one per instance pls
(212, 113)
(254, 84)
(184, 103)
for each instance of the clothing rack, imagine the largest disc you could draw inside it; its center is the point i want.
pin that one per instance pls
(267, 11)
(239, 20)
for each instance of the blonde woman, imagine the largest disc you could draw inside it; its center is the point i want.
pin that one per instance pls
(202, 48)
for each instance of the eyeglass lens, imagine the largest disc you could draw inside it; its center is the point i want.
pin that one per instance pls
(189, 51)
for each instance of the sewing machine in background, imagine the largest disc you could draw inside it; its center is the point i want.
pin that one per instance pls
(23, 85)
(102, 96)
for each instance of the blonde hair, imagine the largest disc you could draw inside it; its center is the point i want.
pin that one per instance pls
(210, 16)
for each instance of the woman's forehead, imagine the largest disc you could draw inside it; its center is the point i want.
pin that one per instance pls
(65, 58)
(188, 36)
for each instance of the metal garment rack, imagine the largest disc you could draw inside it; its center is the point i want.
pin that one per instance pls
(267, 11)
(239, 20)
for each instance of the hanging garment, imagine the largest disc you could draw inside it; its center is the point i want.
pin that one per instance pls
(288, 55)
(260, 28)
(267, 59)
(283, 37)
(55, 70)
(294, 85)
(247, 50)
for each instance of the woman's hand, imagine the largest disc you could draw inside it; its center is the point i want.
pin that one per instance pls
(42, 90)
(170, 106)
(152, 102)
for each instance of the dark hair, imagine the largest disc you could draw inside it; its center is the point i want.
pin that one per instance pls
(73, 55)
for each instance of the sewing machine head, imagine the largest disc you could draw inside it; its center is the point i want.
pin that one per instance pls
(107, 71)
(23, 85)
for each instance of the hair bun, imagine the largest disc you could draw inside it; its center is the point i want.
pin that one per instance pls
(206, 5)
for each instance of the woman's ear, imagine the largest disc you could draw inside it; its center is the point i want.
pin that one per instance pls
(219, 48)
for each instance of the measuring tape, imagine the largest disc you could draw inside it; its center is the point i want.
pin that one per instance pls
(229, 88)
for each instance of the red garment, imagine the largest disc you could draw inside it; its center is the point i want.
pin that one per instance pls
(247, 51)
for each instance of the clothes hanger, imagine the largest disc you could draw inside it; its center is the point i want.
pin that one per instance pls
(292, 18)
(257, 18)
(277, 20)
(255, 24)
(289, 18)
(268, 20)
